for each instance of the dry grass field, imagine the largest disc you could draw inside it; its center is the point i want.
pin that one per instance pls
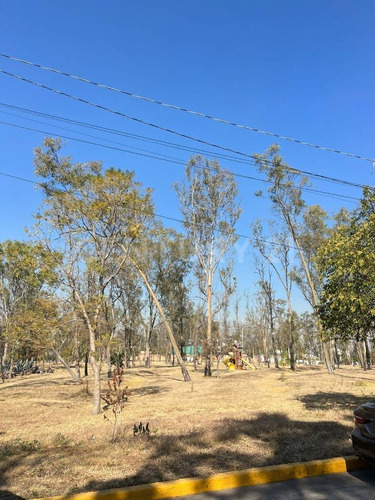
(51, 444)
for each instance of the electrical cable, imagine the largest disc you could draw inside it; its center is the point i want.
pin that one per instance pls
(186, 110)
(119, 113)
(152, 156)
(128, 134)
(138, 120)
(175, 160)
(178, 146)
(160, 216)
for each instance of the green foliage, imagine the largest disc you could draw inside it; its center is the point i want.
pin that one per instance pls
(61, 440)
(27, 276)
(208, 202)
(347, 267)
(285, 183)
(19, 446)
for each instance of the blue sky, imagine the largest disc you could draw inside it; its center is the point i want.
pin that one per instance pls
(302, 69)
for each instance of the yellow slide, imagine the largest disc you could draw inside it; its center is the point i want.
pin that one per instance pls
(248, 364)
(227, 363)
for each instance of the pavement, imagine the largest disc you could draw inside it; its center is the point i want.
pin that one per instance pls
(358, 485)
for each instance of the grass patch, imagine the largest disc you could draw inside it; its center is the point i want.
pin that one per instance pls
(51, 444)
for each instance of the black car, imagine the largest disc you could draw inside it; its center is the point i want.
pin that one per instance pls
(363, 435)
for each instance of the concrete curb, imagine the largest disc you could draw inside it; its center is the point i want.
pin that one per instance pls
(224, 481)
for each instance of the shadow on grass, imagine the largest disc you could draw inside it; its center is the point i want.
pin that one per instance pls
(6, 465)
(233, 444)
(150, 389)
(8, 495)
(24, 383)
(324, 401)
(227, 445)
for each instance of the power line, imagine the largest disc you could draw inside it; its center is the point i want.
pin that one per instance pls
(186, 110)
(89, 142)
(161, 156)
(179, 146)
(160, 216)
(152, 156)
(119, 113)
(124, 134)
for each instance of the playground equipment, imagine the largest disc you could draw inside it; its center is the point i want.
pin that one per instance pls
(234, 360)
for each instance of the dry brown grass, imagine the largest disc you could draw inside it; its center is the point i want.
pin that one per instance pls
(51, 444)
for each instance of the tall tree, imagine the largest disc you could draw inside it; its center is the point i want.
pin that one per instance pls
(268, 293)
(313, 233)
(95, 215)
(208, 202)
(347, 266)
(277, 255)
(284, 193)
(164, 256)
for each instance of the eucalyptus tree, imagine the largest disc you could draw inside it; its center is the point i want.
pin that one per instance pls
(284, 192)
(208, 202)
(314, 232)
(130, 302)
(277, 254)
(172, 263)
(268, 293)
(94, 215)
(162, 260)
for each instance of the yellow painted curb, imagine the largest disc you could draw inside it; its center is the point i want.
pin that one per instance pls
(224, 481)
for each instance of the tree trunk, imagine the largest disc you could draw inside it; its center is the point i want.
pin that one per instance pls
(63, 362)
(108, 359)
(147, 345)
(207, 369)
(184, 371)
(327, 354)
(291, 336)
(337, 356)
(86, 364)
(327, 357)
(76, 344)
(368, 353)
(147, 352)
(95, 367)
(361, 357)
(272, 328)
(5, 353)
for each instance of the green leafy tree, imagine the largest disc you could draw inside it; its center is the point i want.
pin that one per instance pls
(94, 215)
(347, 267)
(27, 274)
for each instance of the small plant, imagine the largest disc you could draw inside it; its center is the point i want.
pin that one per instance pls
(359, 383)
(282, 377)
(61, 440)
(18, 446)
(141, 429)
(115, 399)
(25, 445)
(23, 367)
